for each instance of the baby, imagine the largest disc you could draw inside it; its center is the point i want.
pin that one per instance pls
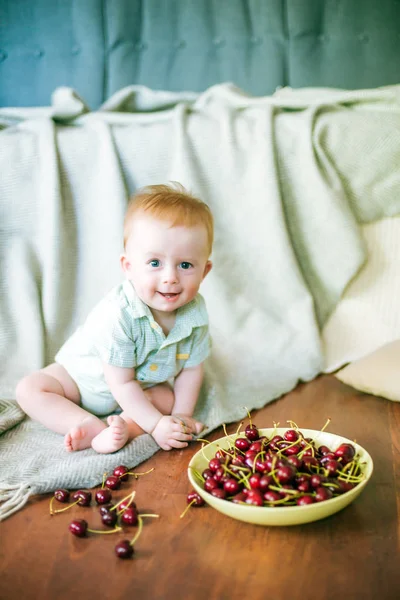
(141, 350)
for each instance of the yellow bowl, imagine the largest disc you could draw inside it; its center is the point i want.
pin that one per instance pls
(282, 515)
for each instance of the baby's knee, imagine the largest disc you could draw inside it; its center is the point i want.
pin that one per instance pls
(24, 389)
(27, 387)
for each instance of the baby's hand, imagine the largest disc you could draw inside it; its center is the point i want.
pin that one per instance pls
(171, 433)
(192, 426)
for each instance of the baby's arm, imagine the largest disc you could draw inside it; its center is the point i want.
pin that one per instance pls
(166, 430)
(186, 390)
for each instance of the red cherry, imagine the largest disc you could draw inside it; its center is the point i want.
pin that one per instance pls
(291, 435)
(251, 432)
(271, 496)
(254, 481)
(332, 466)
(242, 444)
(304, 500)
(219, 493)
(195, 498)
(265, 482)
(254, 497)
(345, 451)
(129, 516)
(78, 527)
(207, 473)
(112, 482)
(127, 503)
(256, 447)
(61, 495)
(103, 496)
(106, 507)
(210, 484)
(239, 498)
(286, 474)
(124, 549)
(322, 494)
(109, 518)
(232, 486)
(303, 486)
(121, 472)
(214, 464)
(84, 498)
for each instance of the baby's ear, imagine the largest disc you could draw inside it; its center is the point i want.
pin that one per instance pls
(125, 264)
(207, 268)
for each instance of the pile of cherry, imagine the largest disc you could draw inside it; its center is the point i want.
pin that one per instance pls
(281, 471)
(124, 512)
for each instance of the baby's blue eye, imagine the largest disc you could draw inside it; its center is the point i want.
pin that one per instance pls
(185, 265)
(155, 263)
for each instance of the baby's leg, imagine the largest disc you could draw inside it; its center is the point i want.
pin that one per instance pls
(52, 397)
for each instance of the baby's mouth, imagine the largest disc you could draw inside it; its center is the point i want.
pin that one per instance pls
(169, 296)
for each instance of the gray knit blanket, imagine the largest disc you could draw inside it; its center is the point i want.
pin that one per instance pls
(289, 178)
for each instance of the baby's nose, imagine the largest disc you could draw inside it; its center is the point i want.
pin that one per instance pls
(170, 276)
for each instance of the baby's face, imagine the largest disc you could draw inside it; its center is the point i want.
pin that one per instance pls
(165, 264)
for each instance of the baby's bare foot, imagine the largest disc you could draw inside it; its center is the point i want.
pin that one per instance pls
(112, 438)
(81, 436)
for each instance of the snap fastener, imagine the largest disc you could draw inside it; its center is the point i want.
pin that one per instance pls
(181, 44)
(256, 41)
(363, 37)
(153, 367)
(38, 53)
(3, 55)
(322, 38)
(75, 50)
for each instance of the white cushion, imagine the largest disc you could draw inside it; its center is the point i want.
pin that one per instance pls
(367, 317)
(377, 373)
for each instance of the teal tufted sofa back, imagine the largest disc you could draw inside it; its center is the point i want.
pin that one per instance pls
(100, 46)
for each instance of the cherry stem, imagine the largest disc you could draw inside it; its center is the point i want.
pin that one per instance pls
(202, 440)
(66, 508)
(131, 496)
(239, 428)
(326, 424)
(51, 504)
(104, 532)
(187, 508)
(139, 531)
(104, 479)
(293, 425)
(137, 474)
(198, 474)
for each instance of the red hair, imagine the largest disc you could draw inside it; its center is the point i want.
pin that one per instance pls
(171, 203)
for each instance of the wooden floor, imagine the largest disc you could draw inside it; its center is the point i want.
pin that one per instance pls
(354, 554)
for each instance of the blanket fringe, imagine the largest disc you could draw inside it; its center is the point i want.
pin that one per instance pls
(13, 497)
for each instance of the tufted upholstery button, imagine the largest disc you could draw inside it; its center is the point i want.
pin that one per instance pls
(38, 53)
(3, 55)
(219, 42)
(140, 46)
(180, 44)
(75, 50)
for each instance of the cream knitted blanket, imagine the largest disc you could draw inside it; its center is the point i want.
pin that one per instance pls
(289, 178)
